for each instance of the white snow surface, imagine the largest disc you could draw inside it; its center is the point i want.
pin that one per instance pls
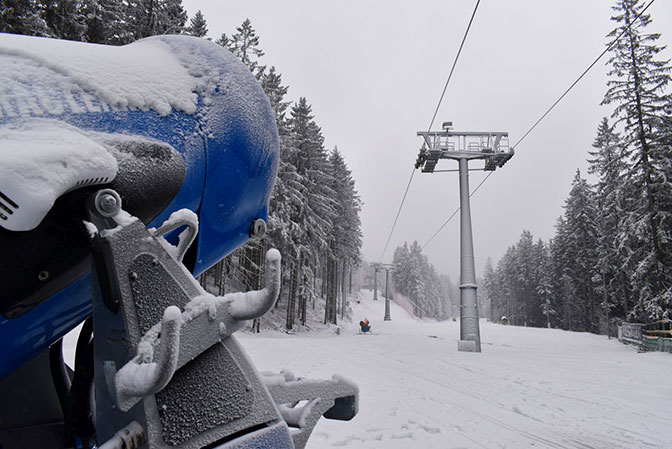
(144, 75)
(529, 388)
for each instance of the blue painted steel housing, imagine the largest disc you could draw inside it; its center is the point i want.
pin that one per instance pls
(229, 144)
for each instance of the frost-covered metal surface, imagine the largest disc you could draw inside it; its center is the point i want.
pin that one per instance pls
(184, 92)
(211, 391)
(275, 436)
(168, 343)
(155, 285)
(150, 371)
(302, 402)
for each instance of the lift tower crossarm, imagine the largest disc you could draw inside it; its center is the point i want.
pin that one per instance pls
(492, 146)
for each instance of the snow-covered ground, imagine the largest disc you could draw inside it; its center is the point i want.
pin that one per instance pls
(529, 387)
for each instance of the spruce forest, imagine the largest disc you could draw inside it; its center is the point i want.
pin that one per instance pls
(611, 256)
(314, 211)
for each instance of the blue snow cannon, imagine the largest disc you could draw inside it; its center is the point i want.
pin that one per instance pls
(125, 172)
(191, 128)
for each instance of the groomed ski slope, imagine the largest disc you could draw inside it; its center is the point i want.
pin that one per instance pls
(529, 388)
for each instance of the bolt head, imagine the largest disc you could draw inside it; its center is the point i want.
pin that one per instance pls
(257, 228)
(108, 203)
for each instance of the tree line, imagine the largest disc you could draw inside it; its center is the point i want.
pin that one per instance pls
(314, 208)
(113, 22)
(611, 256)
(431, 294)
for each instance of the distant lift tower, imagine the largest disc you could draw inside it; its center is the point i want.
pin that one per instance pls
(376, 269)
(493, 148)
(387, 267)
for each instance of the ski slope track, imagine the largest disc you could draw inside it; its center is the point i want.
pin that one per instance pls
(529, 388)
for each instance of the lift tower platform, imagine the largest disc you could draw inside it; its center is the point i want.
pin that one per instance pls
(493, 148)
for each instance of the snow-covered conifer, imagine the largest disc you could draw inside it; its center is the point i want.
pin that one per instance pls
(66, 19)
(108, 22)
(637, 88)
(271, 82)
(198, 26)
(23, 17)
(582, 258)
(244, 43)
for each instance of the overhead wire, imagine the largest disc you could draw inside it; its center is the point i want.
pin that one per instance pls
(454, 213)
(543, 116)
(394, 225)
(452, 69)
(609, 47)
(443, 93)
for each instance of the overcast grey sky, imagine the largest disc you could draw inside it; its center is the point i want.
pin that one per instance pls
(373, 72)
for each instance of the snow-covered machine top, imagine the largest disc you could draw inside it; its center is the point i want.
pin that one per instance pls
(145, 75)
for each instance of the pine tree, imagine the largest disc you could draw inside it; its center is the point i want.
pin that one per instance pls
(346, 228)
(108, 22)
(198, 26)
(560, 253)
(315, 214)
(609, 163)
(65, 19)
(582, 258)
(224, 41)
(637, 87)
(271, 82)
(544, 287)
(317, 211)
(541, 263)
(283, 231)
(491, 289)
(525, 269)
(401, 276)
(567, 290)
(506, 274)
(23, 17)
(156, 17)
(245, 44)
(417, 278)
(173, 17)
